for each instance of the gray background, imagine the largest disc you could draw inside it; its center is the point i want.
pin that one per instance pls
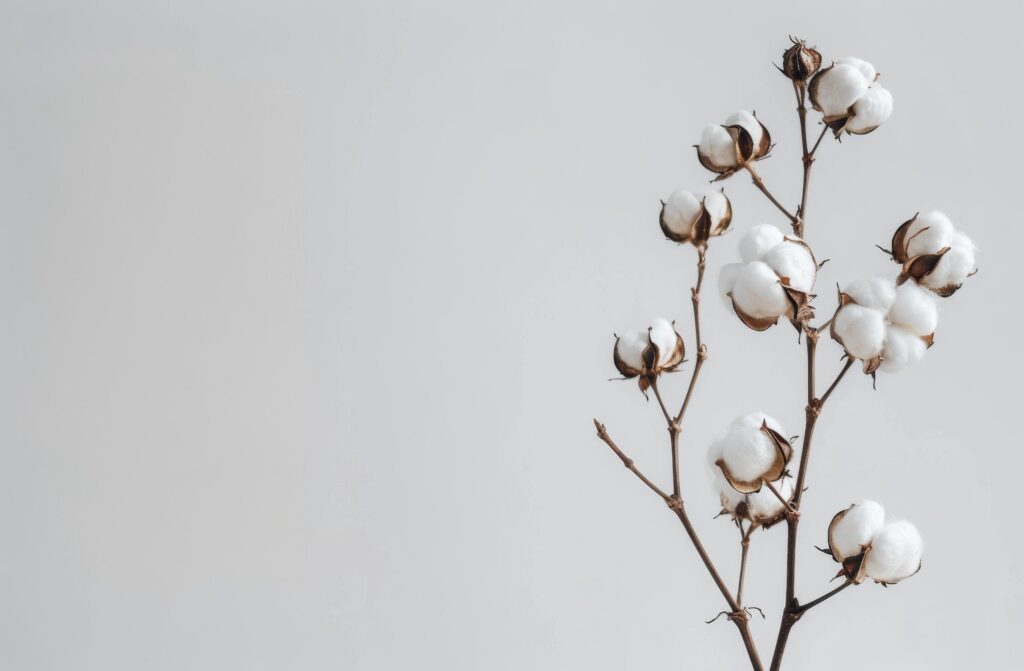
(308, 307)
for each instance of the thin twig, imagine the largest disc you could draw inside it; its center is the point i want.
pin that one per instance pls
(759, 183)
(803, 608)
(835, 383)
(780, 497)
(744, 548)
(602, 433)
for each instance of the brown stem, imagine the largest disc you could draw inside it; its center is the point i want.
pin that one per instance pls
(793, 611)
(744, 548)
(702, 351)
(759, 183)
(602, 433)
(824, 597)
(736, 613)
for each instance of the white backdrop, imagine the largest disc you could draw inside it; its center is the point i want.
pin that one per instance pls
(308, 308)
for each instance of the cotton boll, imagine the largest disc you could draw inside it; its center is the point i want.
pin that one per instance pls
(729, 497)
(873, 292)
(867, 70)
(748, 453)
(861, 329)
(895, 552)
(914, 309)
(836, 89)
(630, 348)
(749, 123)
(855, 529)
(871, 110)
(681, 209)
(758, 240)
(727, 281)
(663, 335)
(793, 260)
(902, 349)
(758, 293)
(952, 269)
(928, 233)
(718, 146)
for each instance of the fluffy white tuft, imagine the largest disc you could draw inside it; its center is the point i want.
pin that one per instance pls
(902, 349)
(895, 552)
(915, 309)
(871, 110)
(758, 293)
(764, 504)
(862, 330)
(747, 452)
(717, 144)
(681, 209)
(858, 526)
(754, 420)
(716, 204)
(794, 261)
(631, 346)
(729, 497)
(749, 123)
(663, 335)
(758, 240)
(727, 281)
(867, 70)
(929, 233)
(953, 268)
(873, 292)
(839, 88)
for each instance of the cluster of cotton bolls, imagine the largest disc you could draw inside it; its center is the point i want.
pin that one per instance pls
(753, 452)
(647, 354)
(687, 218)
(868, 546)
(725, 148)
(848, 94)
(888, 327)
(775, 278)
(933, 253)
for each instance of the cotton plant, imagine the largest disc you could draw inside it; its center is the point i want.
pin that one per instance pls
(885, 322)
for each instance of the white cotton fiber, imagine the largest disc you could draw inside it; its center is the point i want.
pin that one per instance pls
(681, 209)
(748, 453)
(717, 145)
(873, 292)
(717, 205)
(895, 552)
(758, 293)
(631, 346)
(928, 234)
(871, 110)
(754, 420)
(749, 123)
(764, 505)
(856, 529)
(793, 260)
(915, 309)
(861, 329)
(758, 240)
(837, 89)
(729, 497)
(727, 281)
(866, 70)
(902, 349)
(952, 269)
(663, 335)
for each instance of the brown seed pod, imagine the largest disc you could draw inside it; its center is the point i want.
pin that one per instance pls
(800, 62)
